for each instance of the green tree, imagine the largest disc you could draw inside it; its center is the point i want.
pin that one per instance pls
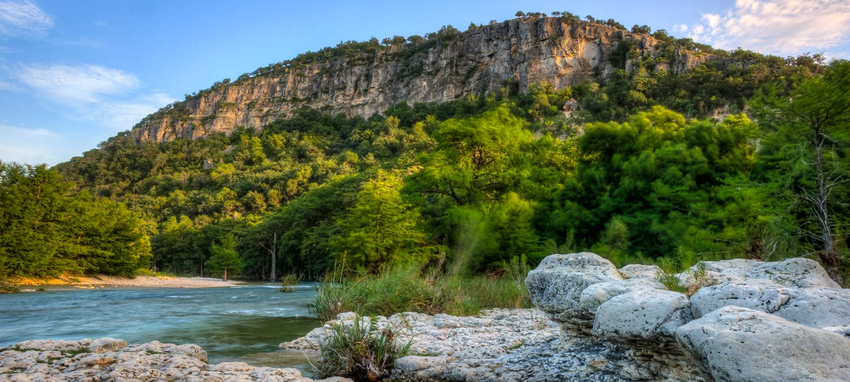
(475, 159)
(808, 145)
(44, 230)
(224, 257)
(380, 228)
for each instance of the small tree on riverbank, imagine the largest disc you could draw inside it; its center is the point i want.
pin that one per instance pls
(224, 257)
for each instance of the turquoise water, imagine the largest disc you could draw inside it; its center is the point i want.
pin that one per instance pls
(244, 323)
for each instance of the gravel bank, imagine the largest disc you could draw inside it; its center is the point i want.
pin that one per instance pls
(138, 282)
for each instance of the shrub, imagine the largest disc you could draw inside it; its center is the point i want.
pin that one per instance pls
(360, 351)
(288, 283)
(8, 288)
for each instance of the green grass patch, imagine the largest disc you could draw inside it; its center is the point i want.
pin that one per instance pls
(409, 288)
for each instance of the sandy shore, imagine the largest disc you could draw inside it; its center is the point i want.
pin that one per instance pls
(138, 282)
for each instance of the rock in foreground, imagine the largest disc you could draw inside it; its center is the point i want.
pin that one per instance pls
(746, 321)
(109, 359)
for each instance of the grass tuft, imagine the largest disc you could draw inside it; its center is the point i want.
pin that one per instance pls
(360, 350)
(288, 283)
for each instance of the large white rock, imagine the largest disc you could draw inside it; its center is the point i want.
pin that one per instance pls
(633, 271)
(740, 344)
(642, 315)
(556, 284)
(792, 273)
(597, 294)
(817, 307)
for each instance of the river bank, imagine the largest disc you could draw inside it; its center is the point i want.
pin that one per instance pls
(114, 360)
(102, 281)
(737, 320)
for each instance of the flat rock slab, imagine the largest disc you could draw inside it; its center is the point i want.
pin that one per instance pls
(740, 344)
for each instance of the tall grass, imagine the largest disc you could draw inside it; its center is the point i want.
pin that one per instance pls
(288, 283)
(360, 351)
(407, 288)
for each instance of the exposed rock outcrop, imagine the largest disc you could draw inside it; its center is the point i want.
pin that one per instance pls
(747, 321)
(739, 344)
(109, 359)
(474, 62)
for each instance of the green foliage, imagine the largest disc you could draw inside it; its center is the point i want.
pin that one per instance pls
(45, 230)
(645, 164)
(224, 257)
(662, 180)
(804, 160)
(288, 283)
(360, 350)
(407, 288)
(380, 228)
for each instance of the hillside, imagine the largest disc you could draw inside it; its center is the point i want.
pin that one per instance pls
(571, 136)
(361, 79)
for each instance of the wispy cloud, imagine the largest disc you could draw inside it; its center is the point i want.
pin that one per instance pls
(22, 18)
(106, 97)
(31, 146)
(781, 27)
(75, 84)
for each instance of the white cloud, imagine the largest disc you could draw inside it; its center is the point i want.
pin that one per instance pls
(75, 84)
(781, 27)
(31, 146)
(712, 20)
(22, 18)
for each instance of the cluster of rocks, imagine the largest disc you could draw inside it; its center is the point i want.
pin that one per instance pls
(746, 321)
(741, 320)
(110, 359)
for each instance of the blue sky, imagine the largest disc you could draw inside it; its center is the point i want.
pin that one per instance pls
(73, 73)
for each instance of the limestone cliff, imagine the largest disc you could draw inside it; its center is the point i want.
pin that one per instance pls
(477, 61)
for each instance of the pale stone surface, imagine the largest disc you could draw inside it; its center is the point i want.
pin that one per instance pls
(508, 345)
(597, 294)
(817, 307)
(633, 271)
(104, 345)
(740, 344)
(109, 359)
(556, 285)
(642, 315)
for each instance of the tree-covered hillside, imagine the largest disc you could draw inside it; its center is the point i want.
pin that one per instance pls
(743, 156)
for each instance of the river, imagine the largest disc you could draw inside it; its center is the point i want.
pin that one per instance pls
(243, 323)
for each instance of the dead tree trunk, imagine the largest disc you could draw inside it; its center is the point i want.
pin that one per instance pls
(820, 201)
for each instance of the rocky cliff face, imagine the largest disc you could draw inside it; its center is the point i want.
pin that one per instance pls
(477, 61)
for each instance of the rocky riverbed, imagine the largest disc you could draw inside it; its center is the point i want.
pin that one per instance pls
(110, 359)
(738, 320)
